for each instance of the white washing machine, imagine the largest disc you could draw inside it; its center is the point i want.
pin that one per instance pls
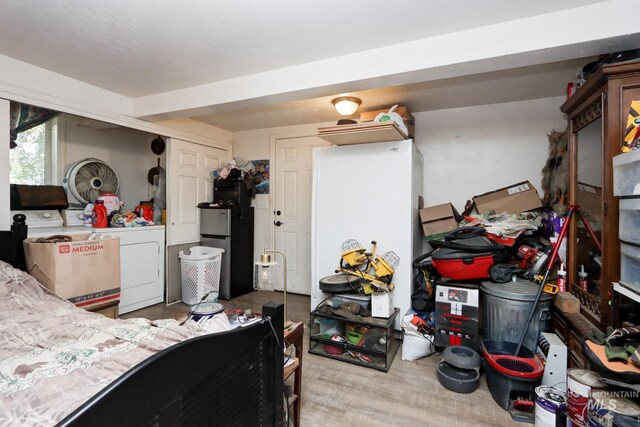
(141, 261)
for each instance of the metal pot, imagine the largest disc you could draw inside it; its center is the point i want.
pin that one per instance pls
(158, 145)
(153, 172)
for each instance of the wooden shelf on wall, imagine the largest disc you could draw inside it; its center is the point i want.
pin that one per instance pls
(362, 133)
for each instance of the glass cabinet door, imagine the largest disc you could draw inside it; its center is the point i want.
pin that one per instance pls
(589, 197)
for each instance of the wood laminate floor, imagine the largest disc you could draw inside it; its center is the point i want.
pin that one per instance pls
(335, 393)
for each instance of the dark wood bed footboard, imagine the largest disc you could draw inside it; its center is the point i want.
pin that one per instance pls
(233, 378)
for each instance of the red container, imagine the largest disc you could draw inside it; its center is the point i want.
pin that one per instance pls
(570, 90)
(468, 258)
(465, 266)
(99, 217)
(145, 212)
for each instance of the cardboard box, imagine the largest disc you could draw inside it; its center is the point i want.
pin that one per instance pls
(84, 272)
(516, 198)
(381, 304)
(438, 220)
(369, 116)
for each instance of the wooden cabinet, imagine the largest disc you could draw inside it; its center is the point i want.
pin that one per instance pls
(597, 115)
(293, 337)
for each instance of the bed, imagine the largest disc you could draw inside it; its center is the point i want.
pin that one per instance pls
(61, 365)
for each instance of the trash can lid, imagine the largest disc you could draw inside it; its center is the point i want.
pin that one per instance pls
(521, 290)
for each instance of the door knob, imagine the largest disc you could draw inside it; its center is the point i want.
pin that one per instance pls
(277, 223)
(278, 213)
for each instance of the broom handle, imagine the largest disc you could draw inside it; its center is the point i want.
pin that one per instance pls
(552, 260)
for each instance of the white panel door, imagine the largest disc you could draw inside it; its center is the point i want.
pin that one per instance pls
(292, 213)
(189, 182)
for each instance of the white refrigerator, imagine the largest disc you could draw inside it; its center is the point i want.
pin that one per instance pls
(367, 192)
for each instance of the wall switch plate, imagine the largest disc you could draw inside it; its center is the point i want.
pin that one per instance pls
(262, 204)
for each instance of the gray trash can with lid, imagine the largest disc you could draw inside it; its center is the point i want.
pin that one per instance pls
(506, 307)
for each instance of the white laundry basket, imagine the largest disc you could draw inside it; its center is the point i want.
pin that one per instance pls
(200, 273)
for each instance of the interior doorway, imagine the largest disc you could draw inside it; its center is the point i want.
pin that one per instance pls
(291, 215)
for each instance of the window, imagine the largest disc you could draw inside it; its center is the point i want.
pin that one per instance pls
(33, 160)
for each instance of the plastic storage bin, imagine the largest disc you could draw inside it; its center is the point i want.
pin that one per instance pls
(200, 270)
(362, 340)
(626, 174)
(629, 224)
(630, 266)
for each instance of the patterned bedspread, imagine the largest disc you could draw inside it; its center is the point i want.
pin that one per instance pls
(55, 356)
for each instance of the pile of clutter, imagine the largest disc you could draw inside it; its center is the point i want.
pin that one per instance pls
(498, 266)
(365, 273)
(107, 211)
(254, 174)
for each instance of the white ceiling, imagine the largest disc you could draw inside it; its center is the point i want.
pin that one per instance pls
(516, 84)
(147, 47)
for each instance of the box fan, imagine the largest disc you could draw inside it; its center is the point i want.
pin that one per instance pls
(88, 179)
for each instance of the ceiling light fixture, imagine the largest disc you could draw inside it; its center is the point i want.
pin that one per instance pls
(346, 105)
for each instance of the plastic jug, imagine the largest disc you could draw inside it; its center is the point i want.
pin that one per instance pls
(99, 217)
(111, 202)
(87, 218)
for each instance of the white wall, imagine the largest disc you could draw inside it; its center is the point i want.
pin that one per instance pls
(255, 145)
(472, 150)
(126, 151)
(467, 151)
(198, 128)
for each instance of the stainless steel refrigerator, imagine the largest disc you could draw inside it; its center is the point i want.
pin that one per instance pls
(230, 229)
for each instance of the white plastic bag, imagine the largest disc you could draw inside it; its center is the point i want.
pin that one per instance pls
(415, 345)
(392, 117)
